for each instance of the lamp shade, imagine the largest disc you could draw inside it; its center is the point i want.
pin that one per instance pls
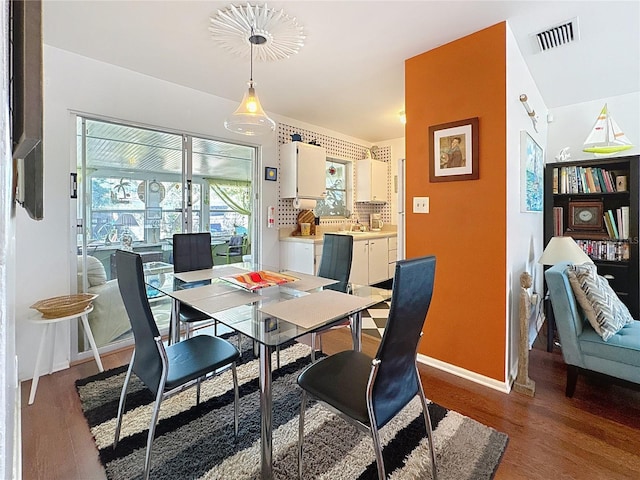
(563, 249)
(249, 118)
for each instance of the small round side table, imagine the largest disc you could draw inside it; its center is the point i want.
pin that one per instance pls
(49, 330)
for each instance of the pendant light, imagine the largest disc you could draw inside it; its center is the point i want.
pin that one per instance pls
(249, 118)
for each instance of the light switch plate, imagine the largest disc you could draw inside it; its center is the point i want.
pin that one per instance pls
(420, 204)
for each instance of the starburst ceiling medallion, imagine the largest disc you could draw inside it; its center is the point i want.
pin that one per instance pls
(233, 27)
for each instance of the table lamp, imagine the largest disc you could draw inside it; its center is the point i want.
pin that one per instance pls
(563, 249)
(559, 250)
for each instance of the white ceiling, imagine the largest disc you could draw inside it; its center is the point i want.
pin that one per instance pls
(349, 76)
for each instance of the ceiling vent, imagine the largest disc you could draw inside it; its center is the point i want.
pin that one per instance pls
(557, 36)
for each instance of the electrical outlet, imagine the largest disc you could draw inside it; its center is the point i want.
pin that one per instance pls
(420, 204)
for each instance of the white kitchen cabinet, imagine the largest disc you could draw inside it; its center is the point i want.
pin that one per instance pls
(360, 263)
(393, 255)
(370, 263)
(378, 260)
(301, 257)
(302, 170)
(371, 181)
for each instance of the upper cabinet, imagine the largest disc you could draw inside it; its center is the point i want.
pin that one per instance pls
(302, 170)
(371, 181)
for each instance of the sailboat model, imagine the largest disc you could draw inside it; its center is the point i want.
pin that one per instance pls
(606, 136)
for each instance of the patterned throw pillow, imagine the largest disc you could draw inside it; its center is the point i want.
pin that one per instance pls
(606, 313)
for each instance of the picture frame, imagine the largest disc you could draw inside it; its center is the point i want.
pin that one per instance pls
(531, 174)
(271, 174)
(586, 216)
(453, 151)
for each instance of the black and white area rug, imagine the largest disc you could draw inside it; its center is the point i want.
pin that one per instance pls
(197, 442)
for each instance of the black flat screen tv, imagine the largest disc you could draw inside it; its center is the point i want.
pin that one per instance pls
(27, 104)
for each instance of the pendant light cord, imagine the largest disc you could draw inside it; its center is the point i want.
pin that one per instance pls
(251, 59)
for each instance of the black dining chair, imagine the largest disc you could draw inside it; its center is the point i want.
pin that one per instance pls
(165, 370)
(192, 251)
(335, 263)
(371, 391)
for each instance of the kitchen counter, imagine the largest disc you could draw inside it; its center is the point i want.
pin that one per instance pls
(315, 239)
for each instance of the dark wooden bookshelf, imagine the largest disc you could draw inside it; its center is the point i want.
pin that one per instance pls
(623, 275)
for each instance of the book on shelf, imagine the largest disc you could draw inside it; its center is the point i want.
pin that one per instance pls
(624, 213)
(578, 179)
(608, 250)
(558, 227)
(610, 224)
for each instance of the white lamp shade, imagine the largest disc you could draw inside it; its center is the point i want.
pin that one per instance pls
(249, 118)
(563, 249)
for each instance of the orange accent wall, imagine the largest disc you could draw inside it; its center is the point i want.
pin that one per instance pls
(466, 226)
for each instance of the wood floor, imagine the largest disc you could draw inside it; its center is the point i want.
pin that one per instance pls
(595, 435)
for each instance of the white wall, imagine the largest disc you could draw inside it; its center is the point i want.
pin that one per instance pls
(571, 124)
(524, 230)
(9, 408)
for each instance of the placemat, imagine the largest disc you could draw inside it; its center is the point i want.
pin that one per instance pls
(190, 295)
(317, 308)
(236, 298)
(208, 273)
(307, 282)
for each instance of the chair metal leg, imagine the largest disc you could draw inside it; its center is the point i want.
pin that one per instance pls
(313, 346)
(427, 421)
(198, 391)
(303, 406)
(377, 447)
(373, 424)
(152, 431)
(236, 396)
(187, 330)
(123, 398)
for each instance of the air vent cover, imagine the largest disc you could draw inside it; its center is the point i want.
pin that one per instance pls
(557, 36)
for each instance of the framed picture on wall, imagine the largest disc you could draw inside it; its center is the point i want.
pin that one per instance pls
(271, 173)
(453, 151)
(531, 174)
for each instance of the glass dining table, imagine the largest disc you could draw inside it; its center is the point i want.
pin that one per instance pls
(239, 297)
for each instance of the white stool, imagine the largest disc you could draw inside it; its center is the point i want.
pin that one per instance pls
(49, 329)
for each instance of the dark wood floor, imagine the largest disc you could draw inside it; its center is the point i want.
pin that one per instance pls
(595, 435)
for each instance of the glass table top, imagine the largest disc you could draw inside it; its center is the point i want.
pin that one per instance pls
(242, 309)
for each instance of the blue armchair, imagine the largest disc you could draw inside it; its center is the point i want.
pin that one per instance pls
(582, 348)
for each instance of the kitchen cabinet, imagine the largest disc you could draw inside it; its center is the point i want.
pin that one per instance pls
(371, 181)
(302, 170)
(393, 255)
(301, 257)
(378, 260)
(370, 263)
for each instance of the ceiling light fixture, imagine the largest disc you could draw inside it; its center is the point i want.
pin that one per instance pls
(275, 34)
(249, 118)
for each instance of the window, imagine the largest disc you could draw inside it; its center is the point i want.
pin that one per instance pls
(337, 184)
(229, 207)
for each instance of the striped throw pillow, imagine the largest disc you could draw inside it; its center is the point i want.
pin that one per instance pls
(604, 310)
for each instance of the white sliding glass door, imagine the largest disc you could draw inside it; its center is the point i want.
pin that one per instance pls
(136, 188)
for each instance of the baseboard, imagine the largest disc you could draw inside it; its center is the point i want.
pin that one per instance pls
(503, 387)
